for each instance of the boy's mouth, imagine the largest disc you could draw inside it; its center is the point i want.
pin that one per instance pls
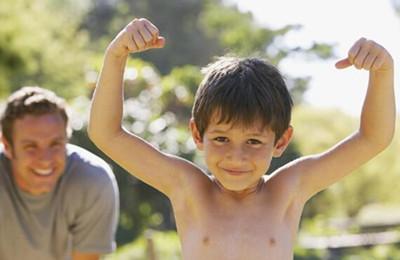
(235, 172)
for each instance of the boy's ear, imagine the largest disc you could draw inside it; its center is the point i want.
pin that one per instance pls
(7, 148)
(198, 140)
(283, 142)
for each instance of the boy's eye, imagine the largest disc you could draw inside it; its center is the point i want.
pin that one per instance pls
(221, 139)
(254, 141)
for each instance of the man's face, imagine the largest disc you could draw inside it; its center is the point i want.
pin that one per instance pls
(38, 152)
(239, 156)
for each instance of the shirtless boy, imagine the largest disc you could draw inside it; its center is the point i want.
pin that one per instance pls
(240, 120)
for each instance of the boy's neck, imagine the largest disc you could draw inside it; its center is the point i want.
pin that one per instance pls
(243, 193)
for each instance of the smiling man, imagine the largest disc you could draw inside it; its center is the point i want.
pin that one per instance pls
(57, 201)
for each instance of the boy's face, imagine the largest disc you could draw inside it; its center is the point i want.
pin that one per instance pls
(238, 156)
(38, 152)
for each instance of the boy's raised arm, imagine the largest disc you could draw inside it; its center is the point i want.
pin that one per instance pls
(131, 152)
(376, 128)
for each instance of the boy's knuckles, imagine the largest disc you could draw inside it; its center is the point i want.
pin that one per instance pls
(377, 65)
(368, 62)
(130, 30)
(147, 37)
(143, 20)
(136, 23)
(361, 40)
(358, 64)
(369, 44)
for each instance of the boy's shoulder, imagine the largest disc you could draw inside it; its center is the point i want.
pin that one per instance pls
(285, 180)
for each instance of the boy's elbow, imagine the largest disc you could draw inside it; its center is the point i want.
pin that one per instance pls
(381, 143)
(387, 141)
(101, 135)
(387, 138)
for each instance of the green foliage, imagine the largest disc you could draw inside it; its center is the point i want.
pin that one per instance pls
(40, 46)
(233, 29)
(381, 252)
(321, 50)
(178, 90)
(186, 42)
(238, 33)
(309, 254)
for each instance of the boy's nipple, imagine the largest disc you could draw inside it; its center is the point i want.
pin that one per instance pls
(206, 240)
(272, 241)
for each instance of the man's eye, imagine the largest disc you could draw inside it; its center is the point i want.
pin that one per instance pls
(57, 145)
(30, 147)
(254, 141)
(221, 139)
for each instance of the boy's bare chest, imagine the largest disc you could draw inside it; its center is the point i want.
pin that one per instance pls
(230, 232)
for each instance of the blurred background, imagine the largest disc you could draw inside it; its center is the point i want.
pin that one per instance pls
(59, 44)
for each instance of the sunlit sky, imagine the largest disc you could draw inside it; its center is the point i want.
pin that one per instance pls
(339, 22)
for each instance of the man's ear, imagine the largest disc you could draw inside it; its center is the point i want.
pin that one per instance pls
(7, 148)
(198, 140)
(283, 142)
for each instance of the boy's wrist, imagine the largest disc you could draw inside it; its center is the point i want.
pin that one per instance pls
(111, 55)
(387, 66)
(383, 72)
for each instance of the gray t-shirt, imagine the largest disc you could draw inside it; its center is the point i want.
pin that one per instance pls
(79, 215)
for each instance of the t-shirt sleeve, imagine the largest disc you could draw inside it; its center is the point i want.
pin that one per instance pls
(95, 224)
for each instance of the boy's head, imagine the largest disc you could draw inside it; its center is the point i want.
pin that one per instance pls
(243, 91)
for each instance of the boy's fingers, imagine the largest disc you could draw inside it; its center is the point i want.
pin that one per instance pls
(146, 35)
(368, 55)
(137, 38)
(152, 29)
(368, 62)
(160, 42)
(378, 63)
(342, 64)
(131, 45)
(354, 50)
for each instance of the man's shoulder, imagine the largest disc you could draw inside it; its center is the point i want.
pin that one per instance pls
(84, 165)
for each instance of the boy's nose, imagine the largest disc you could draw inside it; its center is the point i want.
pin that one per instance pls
(236, 154)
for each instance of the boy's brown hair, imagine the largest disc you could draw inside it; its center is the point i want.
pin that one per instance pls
(31, 101)
(244, 91)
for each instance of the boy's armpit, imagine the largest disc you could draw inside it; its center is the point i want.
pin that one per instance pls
(285, 182)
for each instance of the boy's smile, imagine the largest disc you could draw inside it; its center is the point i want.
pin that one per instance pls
(236, 155)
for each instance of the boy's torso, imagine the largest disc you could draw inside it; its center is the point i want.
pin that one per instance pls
(214, 225)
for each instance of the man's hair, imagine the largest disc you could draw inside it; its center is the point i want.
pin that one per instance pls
(34, 101)
(244, 91)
